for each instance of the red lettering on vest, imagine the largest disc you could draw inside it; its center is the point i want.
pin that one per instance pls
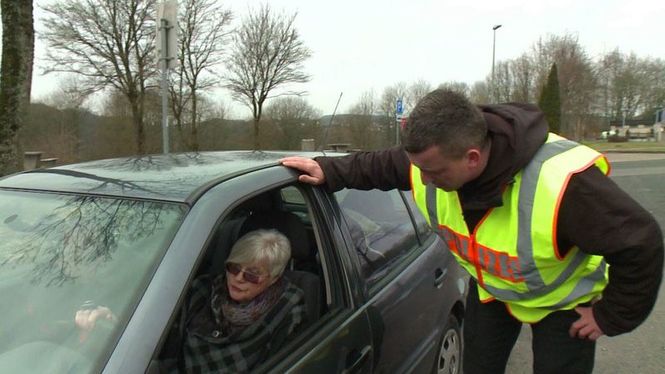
(494, 262)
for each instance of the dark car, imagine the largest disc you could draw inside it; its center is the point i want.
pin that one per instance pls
(383, 293)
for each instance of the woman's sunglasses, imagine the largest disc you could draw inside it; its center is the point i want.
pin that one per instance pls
(233, 269)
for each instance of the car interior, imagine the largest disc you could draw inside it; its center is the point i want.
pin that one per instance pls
(268, 211)
(283, 209)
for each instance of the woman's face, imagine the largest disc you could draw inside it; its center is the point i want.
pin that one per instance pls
(246, 281)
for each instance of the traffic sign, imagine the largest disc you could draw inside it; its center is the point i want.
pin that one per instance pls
(399, 108)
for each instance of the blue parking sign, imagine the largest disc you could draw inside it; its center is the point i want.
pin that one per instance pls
(399, 108)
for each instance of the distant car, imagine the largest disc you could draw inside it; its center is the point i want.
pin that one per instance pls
(383, 293)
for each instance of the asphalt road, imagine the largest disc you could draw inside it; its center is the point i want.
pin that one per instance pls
(643, 350)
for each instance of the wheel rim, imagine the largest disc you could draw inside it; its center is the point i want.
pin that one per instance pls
(449, 353)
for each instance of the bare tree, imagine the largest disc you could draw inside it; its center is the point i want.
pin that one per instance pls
(629, 84)
(366, 104)
(417, 90)
(389, 97)
(479, 93)
(221, 109)
(69, 95)
(55, 132)
(460, 87)
(619, 81)
(117, 135)
(267, 55)
(115, 104)
(577, 79)
(523, 76)
(655, 90)
(388, 109)
(513, 80)
(18, 39)
(502, 84)
(362, 123)
(203, 30)
(108, 42)
(294, 116)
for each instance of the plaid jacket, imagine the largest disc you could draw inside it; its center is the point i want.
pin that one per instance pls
(206, 350)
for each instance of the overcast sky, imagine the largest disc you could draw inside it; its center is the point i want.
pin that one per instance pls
(370, 44)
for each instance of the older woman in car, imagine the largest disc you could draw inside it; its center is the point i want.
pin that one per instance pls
(232, 322)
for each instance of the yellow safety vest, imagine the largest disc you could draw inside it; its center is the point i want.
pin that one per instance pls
(512, 252)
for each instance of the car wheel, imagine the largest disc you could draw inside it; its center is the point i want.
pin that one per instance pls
(449, 355)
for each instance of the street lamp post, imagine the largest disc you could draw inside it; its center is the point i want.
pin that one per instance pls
(493, 52)
(494, 47)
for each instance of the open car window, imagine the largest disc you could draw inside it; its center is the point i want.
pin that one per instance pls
(287, 210)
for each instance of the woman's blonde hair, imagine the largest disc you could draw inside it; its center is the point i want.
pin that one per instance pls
(268, 246)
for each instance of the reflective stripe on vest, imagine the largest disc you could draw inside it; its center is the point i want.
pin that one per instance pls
(522, 268)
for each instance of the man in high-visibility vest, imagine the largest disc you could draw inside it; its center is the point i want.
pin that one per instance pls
(546, 236)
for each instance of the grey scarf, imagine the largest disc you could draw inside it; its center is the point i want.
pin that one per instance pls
(233, 315)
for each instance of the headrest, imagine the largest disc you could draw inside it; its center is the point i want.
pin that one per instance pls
(257, 203)
(285, 222)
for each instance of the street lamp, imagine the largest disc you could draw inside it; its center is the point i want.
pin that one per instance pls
(493, 49)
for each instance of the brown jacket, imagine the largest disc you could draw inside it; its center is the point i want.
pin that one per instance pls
(595, 214)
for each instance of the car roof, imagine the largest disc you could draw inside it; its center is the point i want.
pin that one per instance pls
(179, 177)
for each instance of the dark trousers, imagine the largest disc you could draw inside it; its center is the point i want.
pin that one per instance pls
(490, 333)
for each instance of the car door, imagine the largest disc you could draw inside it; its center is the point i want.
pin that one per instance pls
(138, 347)
(404, 276)
(341, 340)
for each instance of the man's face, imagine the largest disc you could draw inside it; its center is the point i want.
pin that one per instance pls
(445, 172)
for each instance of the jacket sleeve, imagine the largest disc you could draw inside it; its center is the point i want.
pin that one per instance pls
(601, 219)
(385, 170)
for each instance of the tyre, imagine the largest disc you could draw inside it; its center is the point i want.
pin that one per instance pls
(449, 353)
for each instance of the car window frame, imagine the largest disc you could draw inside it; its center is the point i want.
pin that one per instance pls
(328, 229)
(165, 293)
(319, 206)
(423, 230)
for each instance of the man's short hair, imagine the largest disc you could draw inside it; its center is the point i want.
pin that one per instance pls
(447, 119)
(269, 246)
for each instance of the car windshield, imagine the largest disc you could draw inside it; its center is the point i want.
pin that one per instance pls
(66, 254)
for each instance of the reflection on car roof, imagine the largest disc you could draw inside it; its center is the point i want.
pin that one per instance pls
(171, 177)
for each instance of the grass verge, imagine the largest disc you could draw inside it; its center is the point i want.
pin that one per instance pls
(641, 147)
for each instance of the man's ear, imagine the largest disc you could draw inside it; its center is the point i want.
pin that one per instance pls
(473, 157)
